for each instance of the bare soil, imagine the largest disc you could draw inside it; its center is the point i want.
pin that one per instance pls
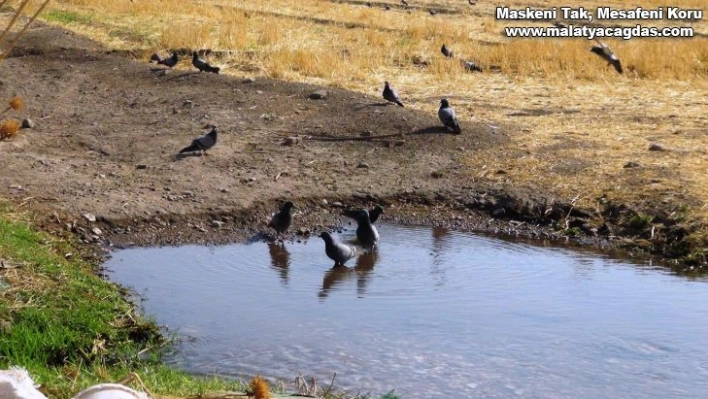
(109, 126)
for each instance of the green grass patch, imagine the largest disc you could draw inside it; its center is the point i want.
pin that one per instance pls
(71, 329)
(67, 17)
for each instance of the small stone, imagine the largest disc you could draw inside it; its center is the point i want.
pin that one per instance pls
(248, 80)
(318, 95)
(28, 123)
(217, 224)
(68, 255)
(96, 231)
(290, 140)
(90, 217)
(337, 204)
(188, 193)
(302, 231)
(324, 202)
(224, 190)
(363, 165)
(631, 164)
(656, 147)
(141, 166)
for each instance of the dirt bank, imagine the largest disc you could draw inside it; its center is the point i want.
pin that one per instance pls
(108, 128)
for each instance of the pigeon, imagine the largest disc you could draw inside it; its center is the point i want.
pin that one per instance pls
(202, 65)
(282, 220)
(446, 51)
(374, 213)
(432, 12)
(447, 116)
(471, 66)
(608, 55)
(335, 250)
(169, 61)
(391, 95)
(366, 233)
(203, 143)
(405, 3)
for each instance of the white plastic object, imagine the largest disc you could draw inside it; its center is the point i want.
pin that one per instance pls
(110, 391)
(16, 383)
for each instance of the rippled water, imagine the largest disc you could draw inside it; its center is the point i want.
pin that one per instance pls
(433, 313)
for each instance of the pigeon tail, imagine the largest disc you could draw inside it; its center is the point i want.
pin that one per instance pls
(190, 148)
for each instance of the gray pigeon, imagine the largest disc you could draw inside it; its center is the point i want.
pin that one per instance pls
(391, 95)
(335, 250)
(447, 116)
(374, 213)
(446, 51)
(282, 220)
(202, 65)
(169, 61)
(471, 66)
(608, 55)
(366, 233)
(202, 144)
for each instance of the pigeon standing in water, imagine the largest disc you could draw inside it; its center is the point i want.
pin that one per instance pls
(608, 55)
(282, 220)
(169, 61)
(203, 143)
(335, 250)
(374, 213)
(202, 65)
(366, 233)
(446, 51)
(391, 95)
(447, 116)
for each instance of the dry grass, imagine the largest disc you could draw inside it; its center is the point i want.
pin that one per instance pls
(595, 120)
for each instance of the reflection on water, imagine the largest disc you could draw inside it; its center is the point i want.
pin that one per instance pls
(361, 272)
(431, 313)
(279, 259)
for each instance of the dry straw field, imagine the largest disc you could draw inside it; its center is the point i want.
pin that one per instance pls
(580, 123)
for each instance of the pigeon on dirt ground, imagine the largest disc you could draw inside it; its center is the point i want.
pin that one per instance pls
(471, 66)
(282, 220)
(169, 61)
(202, 65)
(446, 51)
(391, 95)
(447, 116)
(374, 213)
(608, 55)
(335, 250)
(203, 143)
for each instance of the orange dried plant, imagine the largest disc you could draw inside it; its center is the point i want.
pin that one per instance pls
(9, 128)
(259, 388)
(16, 103)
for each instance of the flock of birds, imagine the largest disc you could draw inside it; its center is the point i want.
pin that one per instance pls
(198, 62)
(339, 252)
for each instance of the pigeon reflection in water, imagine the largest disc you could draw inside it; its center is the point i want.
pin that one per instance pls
(279, 260)
(365, 263)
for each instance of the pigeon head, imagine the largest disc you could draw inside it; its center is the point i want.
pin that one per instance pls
(444, 103)
(195, 55)
(325, 236)
(379, 208)
(386, 84)
(288, 205)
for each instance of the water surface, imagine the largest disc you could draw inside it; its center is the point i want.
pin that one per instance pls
(432, 314)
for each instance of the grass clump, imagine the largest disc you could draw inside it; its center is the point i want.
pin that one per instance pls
(71, 329)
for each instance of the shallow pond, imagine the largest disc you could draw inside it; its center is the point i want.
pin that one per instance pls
(432, 313)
